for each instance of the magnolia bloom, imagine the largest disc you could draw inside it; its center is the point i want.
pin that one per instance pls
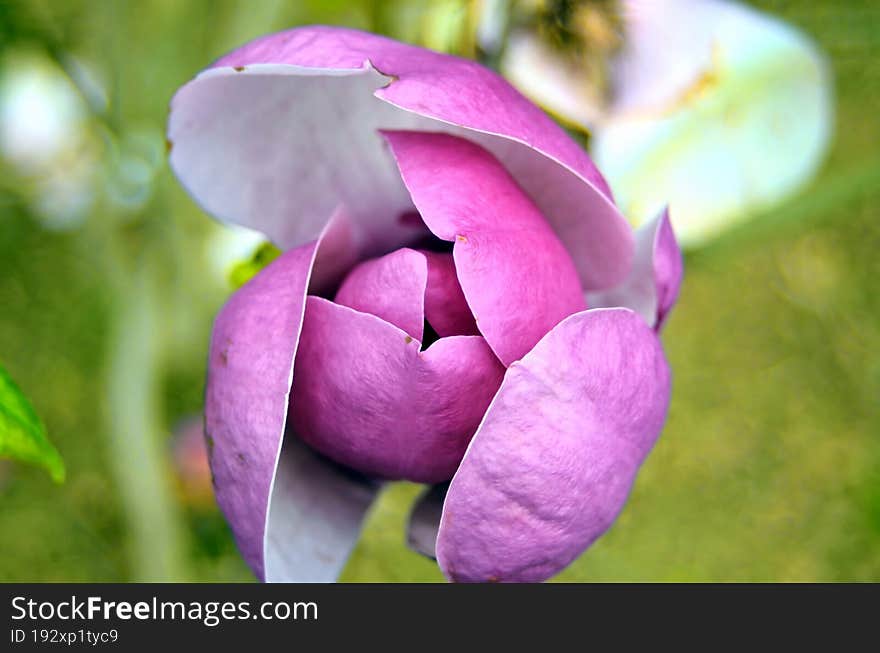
(715, 108)
(458, 299)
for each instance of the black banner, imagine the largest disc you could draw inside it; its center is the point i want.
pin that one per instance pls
(127, 617)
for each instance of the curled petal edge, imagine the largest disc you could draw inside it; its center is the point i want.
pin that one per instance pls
(652, 287)
(220, 135)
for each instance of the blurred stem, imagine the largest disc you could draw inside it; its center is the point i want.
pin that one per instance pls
(491, 22)
(135, 355)
(134, 430)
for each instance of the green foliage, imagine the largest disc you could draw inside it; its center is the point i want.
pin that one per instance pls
(247, 270)
(22, 434)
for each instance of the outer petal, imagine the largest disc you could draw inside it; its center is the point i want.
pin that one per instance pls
(446, 308)
(240, 131)
(391, 287)
(366, 397)
(652, 286)
(556, 454)
(515, 273)
(252, 350)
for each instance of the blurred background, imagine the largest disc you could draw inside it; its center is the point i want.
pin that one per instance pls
(769, 466)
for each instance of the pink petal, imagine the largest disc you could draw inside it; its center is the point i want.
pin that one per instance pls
(668, 268)
(651, 288)
(515, 273)
(366, 397)
(252, 351)
(553, 461)
(391, 287)
(446, 309)
(281, 130)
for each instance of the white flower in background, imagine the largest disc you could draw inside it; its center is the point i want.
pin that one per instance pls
(713, 107)
(560, 60)
(44, 135)
(40, 114)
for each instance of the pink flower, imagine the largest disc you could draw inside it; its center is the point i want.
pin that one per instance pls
(429, 318)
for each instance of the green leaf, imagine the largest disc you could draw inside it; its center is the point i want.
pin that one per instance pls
(22, 434)
(247, 270)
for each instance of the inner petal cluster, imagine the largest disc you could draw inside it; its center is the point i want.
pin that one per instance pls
(393, 376)
(371, 391)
